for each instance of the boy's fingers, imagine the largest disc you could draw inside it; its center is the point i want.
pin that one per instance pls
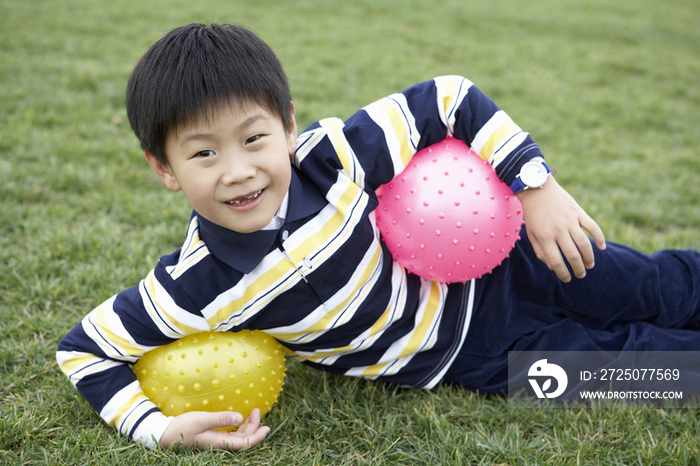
(539, 252)
(590, 225)
(197, 428)
(218, 419)
(551, 255)
(234, 440)
(574, 257)
(255, 437)
(248, 434)
(556, 262)
(583, 244)
(251, 423)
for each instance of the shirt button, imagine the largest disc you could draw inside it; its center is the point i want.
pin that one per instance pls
(307, 262)
(285, 235)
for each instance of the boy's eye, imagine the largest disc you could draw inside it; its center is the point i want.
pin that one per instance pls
(252, 139)
(204, 153)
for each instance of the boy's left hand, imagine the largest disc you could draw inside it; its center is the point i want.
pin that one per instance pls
(555, 224)
(195, 429)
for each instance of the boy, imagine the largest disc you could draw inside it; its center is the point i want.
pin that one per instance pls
(293, 249)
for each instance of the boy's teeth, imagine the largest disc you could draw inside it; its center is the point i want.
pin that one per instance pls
(245, 199)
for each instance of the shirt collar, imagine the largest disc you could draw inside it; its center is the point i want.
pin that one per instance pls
(278, 220)
(244, 251)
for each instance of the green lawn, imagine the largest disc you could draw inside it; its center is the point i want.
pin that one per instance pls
(610, 90)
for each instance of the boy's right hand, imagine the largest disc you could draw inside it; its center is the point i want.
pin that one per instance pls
(196, 430)
(555, 226)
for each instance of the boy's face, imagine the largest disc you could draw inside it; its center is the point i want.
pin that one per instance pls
(233, 166)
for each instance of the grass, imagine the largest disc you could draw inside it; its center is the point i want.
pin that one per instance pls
(608, 89)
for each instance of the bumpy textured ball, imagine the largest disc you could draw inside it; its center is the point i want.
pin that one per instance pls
(447, 217)
(214, 371)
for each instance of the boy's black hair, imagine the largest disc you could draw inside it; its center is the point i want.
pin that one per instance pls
(194, 70)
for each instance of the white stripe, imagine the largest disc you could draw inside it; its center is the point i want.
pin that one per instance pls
(512, 141)
(151, 429)
(169, 307)
(101, 338)
(318, 256)
(120, 399)
(354, 291)
(366, 339)
(192, 233)
(467, 321)
(448, 115)
(92, 366)
(186, 263)
(306, 142)
(116, 328)
(334, 127)
(488, 129)
(382, 119)
(259, 301)
(409, 121)
(393, 353)
(191, 253)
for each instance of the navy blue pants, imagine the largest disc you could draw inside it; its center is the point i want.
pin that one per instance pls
(628, 302)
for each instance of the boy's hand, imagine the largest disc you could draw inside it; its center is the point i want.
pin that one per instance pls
(196, 430)
(554, 223)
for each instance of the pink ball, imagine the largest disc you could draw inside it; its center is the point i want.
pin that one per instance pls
(447, 217)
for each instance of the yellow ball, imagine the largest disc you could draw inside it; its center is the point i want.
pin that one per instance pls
(214, 371)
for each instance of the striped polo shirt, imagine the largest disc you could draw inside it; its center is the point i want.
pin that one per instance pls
(324, 283)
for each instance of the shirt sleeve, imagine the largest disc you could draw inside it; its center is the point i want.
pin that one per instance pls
(97, 354)
(376, 143)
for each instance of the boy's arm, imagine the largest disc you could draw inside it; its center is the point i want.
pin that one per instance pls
(96, 357)
(377, 143)
(555, 224)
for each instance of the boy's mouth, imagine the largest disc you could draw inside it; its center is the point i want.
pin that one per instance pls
(241, 201)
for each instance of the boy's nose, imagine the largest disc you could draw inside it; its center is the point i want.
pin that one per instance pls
(237, 169)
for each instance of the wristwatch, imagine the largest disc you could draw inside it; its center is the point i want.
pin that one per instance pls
(532, 175)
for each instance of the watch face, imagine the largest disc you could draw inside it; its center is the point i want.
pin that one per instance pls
(533, 175)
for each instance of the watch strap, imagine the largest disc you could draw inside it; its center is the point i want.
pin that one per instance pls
(517, 185)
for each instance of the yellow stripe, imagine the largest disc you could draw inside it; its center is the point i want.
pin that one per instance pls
(451, 86)
(100, 320)
(183, 265)
(252, 292)
(419, 332)
(114, 419)
(310, 143)
(150, 289)
(496, 138)
(335, 132)
(323, 324)
(352, 198)
(305, 249)
(418, 335)
(332, 226)
(398, 123)
(70, 365)
(378, 325)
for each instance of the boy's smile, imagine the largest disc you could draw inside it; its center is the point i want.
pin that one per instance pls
(233, 165)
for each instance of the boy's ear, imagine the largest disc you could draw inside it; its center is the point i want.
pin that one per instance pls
(164, 172)
(292, 134)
